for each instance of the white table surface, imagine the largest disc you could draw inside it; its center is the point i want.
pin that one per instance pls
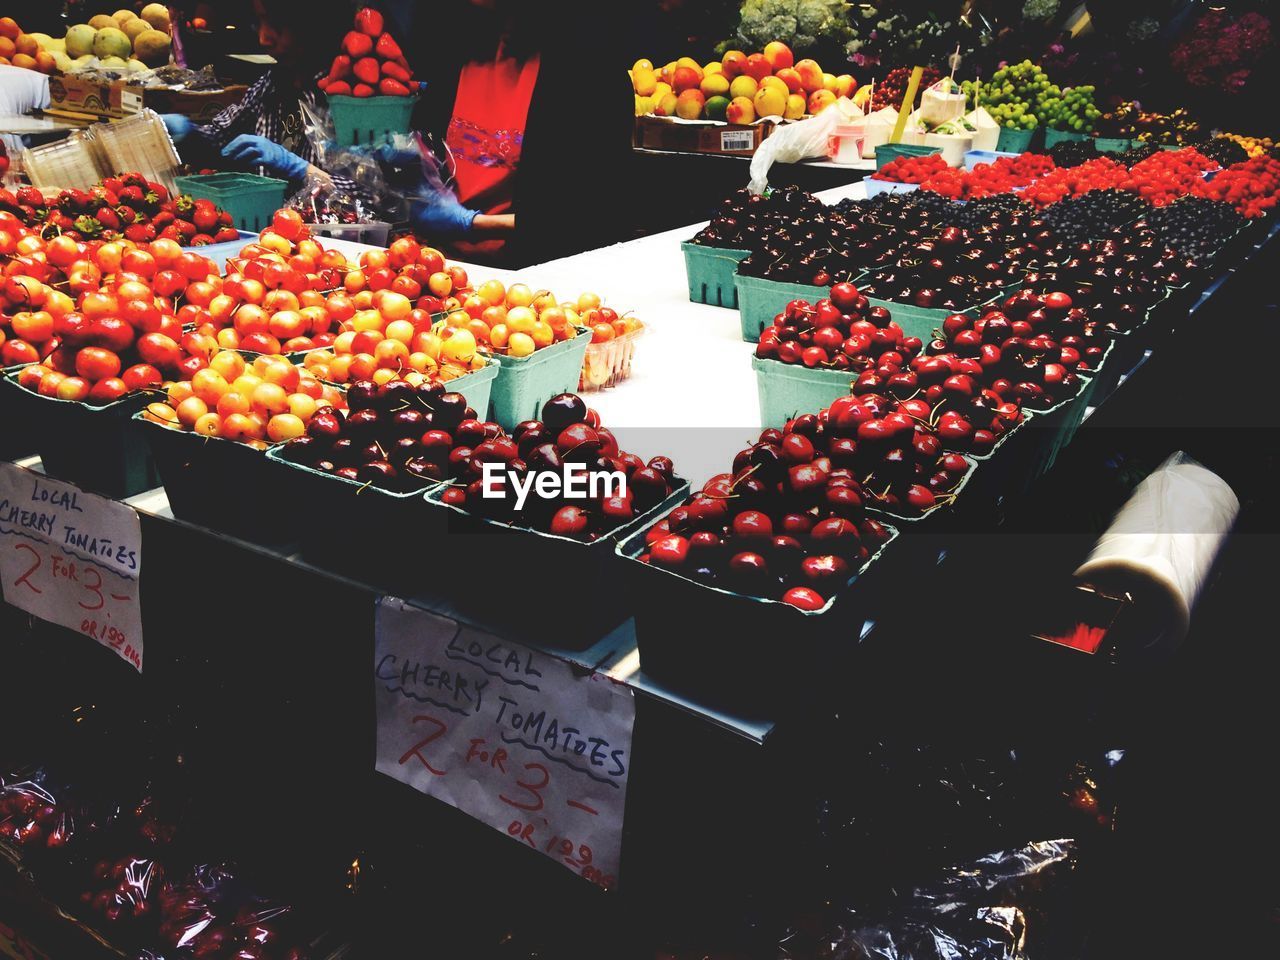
(692, 392)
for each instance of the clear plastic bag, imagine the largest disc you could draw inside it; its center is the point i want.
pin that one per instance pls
(31, 816)
(980, 910)
(796, 141)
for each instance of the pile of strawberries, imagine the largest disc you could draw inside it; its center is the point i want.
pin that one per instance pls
(1252, 187)
(127, 206)
(371, 62)
(1099, 174)
(1168, 174)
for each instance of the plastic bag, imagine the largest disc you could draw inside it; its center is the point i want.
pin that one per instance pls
(796, 141)
(981, 910)
(211, 913)
(31, 816)
(124, 890)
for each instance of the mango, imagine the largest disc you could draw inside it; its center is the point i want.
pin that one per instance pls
(156, 14)
(80, 40)
(666, 107)
(135, 28)
(102, 21)
(743, 86)
(714, 85)
(644, 82)
(795, 107)
(689, 104)
(152, 48)
(740, 110)
(770, 101)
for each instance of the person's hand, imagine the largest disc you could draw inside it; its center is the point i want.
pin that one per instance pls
(256, 151)
(179, 127)
(441, 215)
(394, 156)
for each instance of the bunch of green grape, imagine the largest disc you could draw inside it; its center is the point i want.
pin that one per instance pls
(1015, 94)
(1073, 111)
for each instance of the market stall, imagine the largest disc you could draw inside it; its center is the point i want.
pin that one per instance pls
(313, 650)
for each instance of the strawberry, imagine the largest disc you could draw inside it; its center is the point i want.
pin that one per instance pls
(200, 240)
(224, 219)
(162, 219)
(88, 226)
(7, 199)
(366, 70)
(132, 195)
(108, 218)
(392, 88)
(226, 235)
(396, 72)
(205, 217)
(339, 87)
(134, 180)
(171, 232)
(151, 202)
(126, 214)
(186, 229)
(369, 21)
(31, 197)
(387, 48)
(140, 232)
(362, 90)
(114, 184)
(340, 69)
(183, 205)
(323, 84)
(357, 45)
(159, 189)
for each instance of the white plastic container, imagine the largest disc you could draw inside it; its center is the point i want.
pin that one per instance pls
(845, 144)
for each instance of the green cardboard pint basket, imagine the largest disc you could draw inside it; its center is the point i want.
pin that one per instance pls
(358, 120)
(787, 389)
(888, 152)
(249, 198)
(1015, 140)
(93, 447)
(1052, 136)
(710, 271)
(1112, 144)
(760, 300)
(524, 384)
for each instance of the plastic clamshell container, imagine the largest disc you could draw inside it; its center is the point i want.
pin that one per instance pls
(220, 253)
(1052, 136)
(1112, 144)
(524, 384)
(876, 187)
(374, 232)
(760, 300)
(221, 484)
(888, 152)
(607, 364)
(710, 271)
(358, 120)
(249, 198)
(742, 650)
(1015, 141)
(93, 447)
(594, 567)
(786, 389)
(975, 157)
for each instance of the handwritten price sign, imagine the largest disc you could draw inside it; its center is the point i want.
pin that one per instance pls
(512, 737)
(72, 558)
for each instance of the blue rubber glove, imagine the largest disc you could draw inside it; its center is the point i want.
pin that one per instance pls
(179, 127)
(256, 151)
(441, 215)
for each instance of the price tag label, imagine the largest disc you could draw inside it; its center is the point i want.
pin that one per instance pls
(511, 736)
(72, 558)
(737, 140)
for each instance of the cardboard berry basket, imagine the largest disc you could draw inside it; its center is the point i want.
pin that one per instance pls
(524, 384)
(594, 568)
(787, 389)
(221, 484)
(1056, 427)
(350, 524)
(740, 650)
(760, 300)
(93, 447)
(710, 271)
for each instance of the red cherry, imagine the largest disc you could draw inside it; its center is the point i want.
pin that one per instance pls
(669, 552)
(804, 598)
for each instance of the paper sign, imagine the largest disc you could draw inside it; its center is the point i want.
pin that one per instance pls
(72, 558)
(511, 736)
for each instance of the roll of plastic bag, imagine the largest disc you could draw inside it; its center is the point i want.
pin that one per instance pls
(1162, 545)
(796, 141)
